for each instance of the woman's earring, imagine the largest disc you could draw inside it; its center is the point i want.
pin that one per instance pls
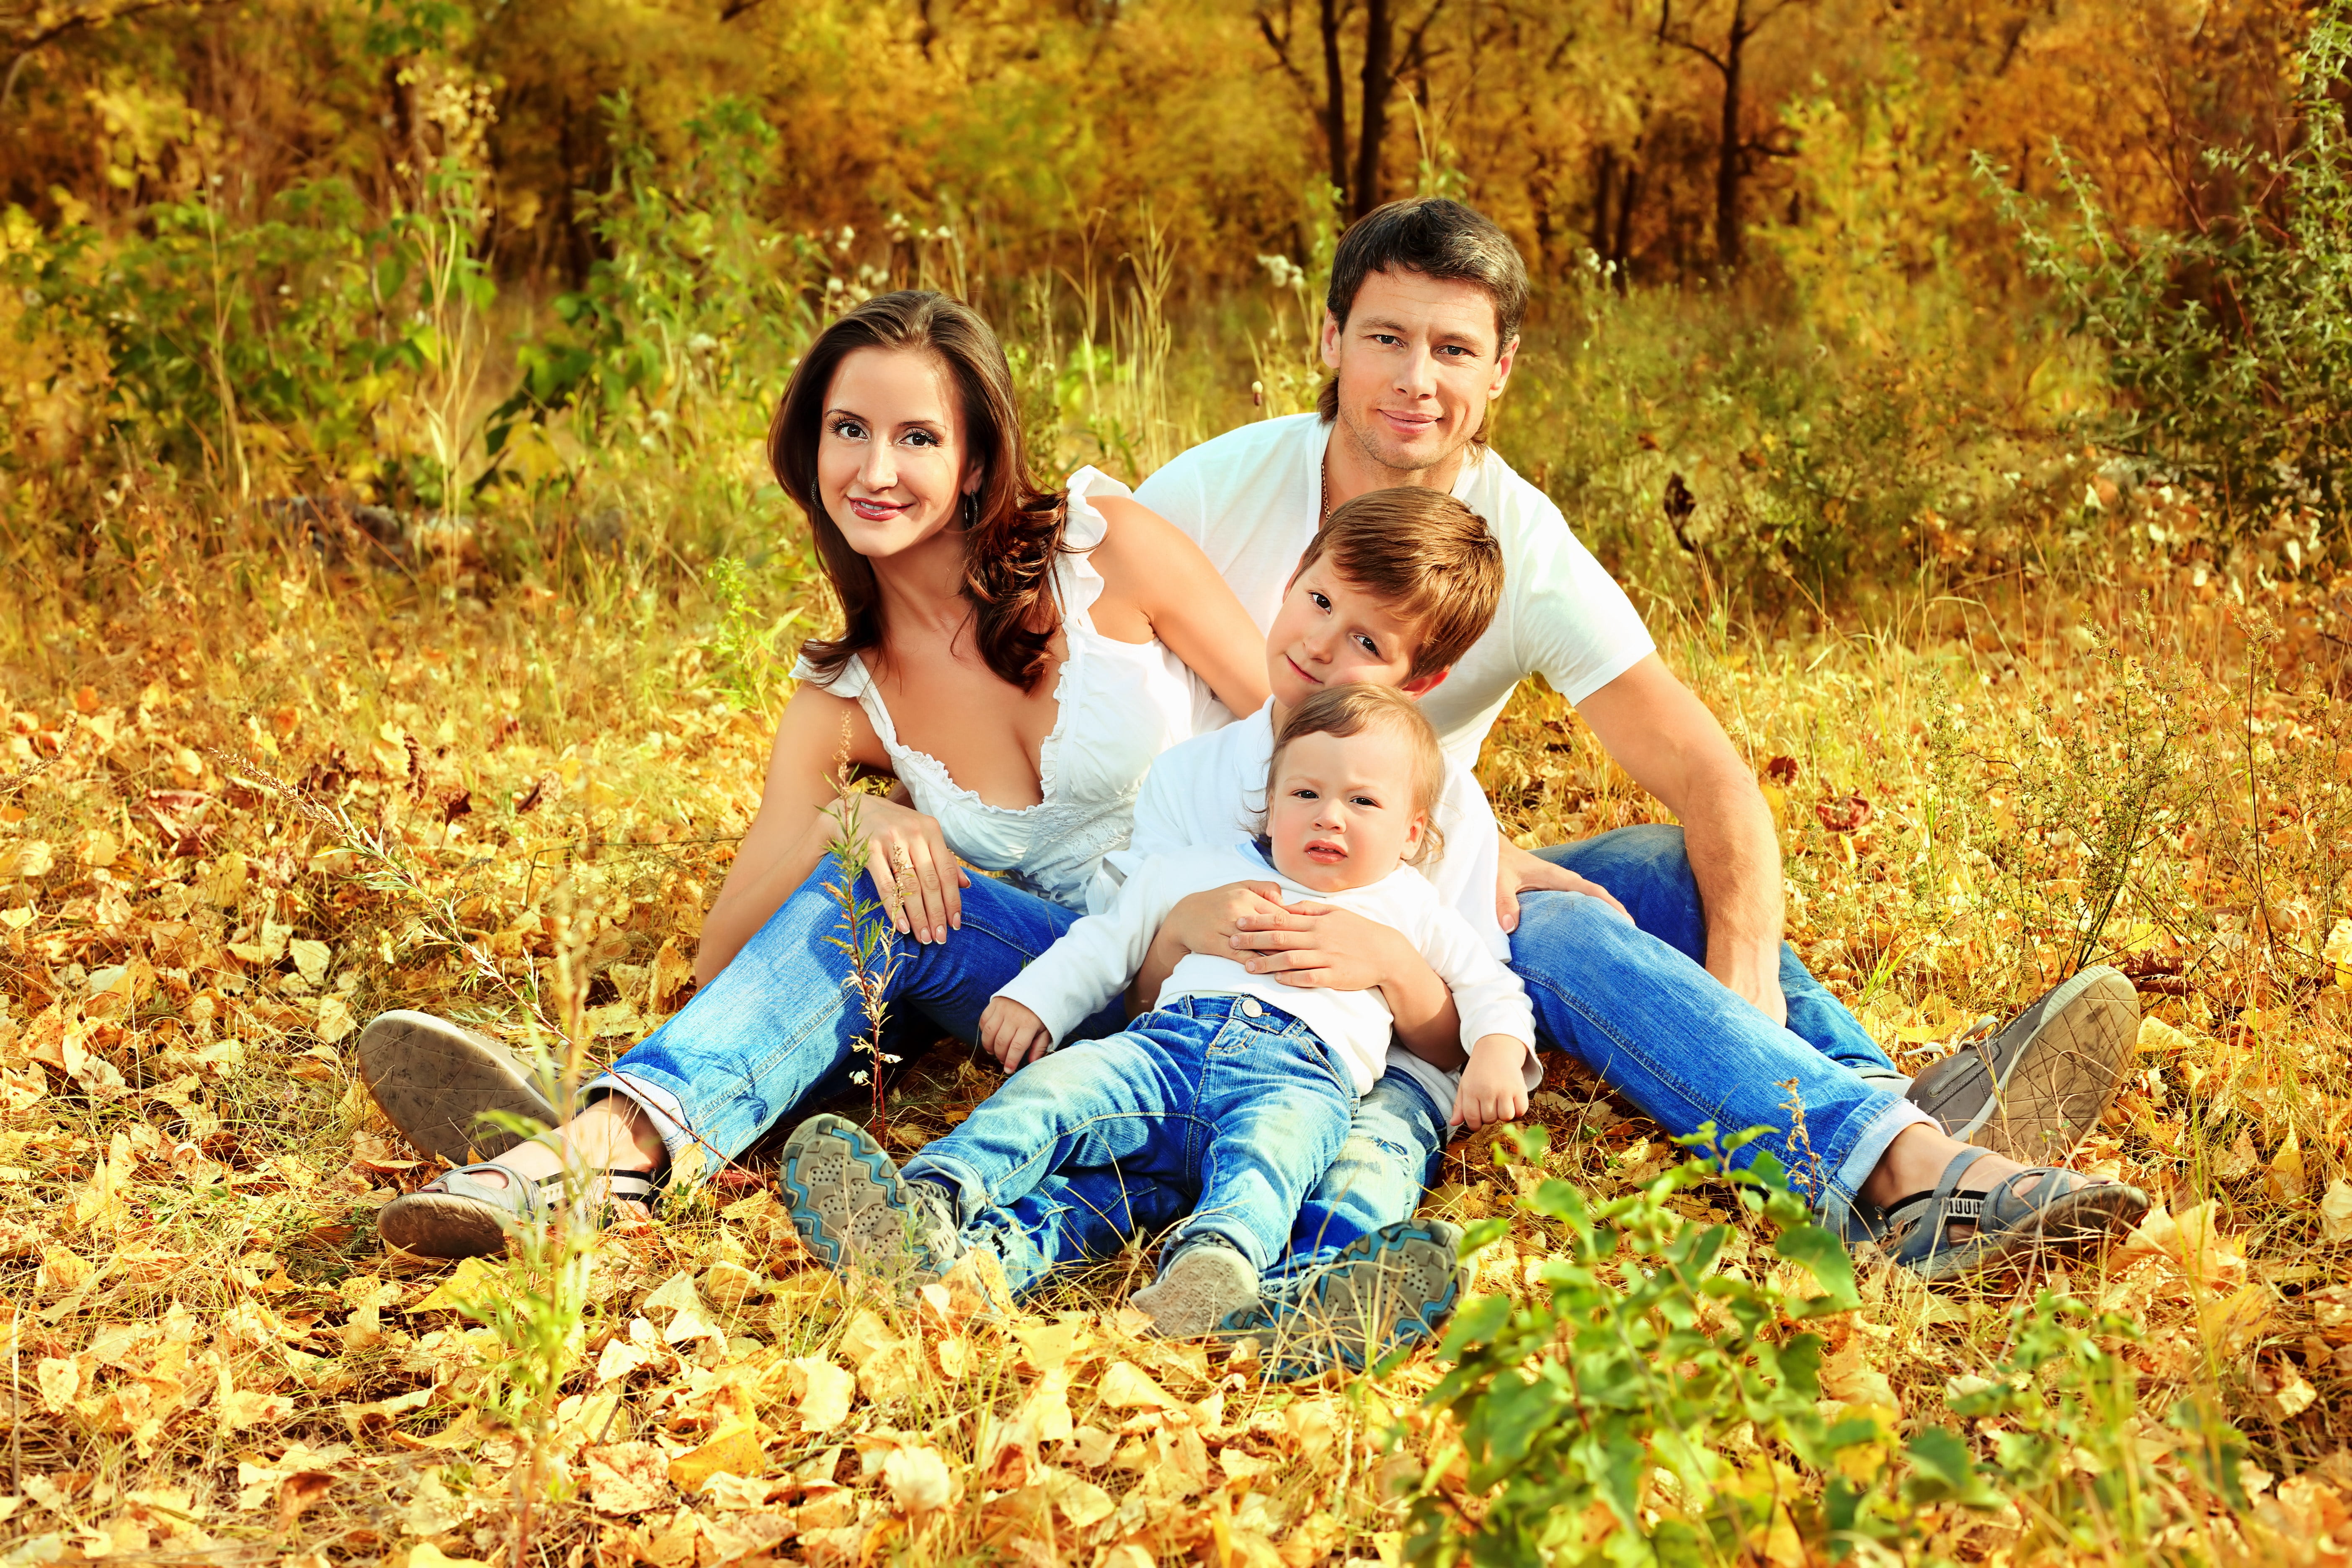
(970, 508)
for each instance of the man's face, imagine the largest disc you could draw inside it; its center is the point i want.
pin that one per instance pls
(1419, 360)
(1329, 631)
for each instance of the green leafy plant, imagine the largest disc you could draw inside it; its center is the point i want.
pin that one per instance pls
(1649, 1405)
(2226, 336)
(1619, 1385)
(744, 644)
(864, 935)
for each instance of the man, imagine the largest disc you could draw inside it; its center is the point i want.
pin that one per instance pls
(1420, 332)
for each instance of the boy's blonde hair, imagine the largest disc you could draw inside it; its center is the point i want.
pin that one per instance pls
(1424, 554)
(1345, 711)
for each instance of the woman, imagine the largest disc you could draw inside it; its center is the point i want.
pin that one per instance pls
(1012, 656)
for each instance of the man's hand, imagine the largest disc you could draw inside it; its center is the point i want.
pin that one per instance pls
(1493, 1086)
(1013, 1034)
(1517, 872)
(1752, 974)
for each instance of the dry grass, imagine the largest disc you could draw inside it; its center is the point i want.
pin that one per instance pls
(213, 1360)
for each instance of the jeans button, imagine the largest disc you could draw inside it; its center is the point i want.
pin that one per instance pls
(1250, 1009)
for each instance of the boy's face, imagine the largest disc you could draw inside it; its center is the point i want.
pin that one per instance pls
(1329, 631)
(1342, 813)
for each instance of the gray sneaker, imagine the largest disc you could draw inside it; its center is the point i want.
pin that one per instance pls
(1201, 1286)
(1394, 1288)
(2032, 1089)
(852, 1209)
(435, 1080)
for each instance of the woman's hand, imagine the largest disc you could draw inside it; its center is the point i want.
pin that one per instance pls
(1011, 1033)
(1494, 1084)
(916, 875)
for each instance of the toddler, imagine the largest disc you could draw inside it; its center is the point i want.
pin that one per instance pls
(1234, 1085)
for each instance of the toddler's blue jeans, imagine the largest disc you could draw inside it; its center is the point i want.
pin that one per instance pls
(1236, 1105)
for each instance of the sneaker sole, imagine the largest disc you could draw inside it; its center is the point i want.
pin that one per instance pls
(1199, 1290)
(849, 1201)
(441, 1225)
(1396, 1286)
(435, 1080)
(2075, 1225)
(2035, 1099)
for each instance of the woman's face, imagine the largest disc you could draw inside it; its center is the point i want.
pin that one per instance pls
(890, 459)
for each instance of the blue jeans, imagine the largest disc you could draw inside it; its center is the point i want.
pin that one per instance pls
(773, 1031)
(1236, 1104)
(1635, 1004)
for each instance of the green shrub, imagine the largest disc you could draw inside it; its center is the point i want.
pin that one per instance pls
(1648, 1404)
(2228, 339)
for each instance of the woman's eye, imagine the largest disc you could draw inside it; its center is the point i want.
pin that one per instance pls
(849, 430)
(921, 439)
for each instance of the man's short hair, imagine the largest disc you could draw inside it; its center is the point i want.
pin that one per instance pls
(1436, 238)
(1425, 556)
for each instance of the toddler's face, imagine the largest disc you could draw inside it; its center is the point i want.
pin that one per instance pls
(1342, 813)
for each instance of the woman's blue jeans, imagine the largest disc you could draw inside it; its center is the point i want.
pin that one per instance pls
(778, 1026)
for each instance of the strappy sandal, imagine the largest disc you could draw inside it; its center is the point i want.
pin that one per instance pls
(2031, 1088)
(2041, 1210)
(460, 1215)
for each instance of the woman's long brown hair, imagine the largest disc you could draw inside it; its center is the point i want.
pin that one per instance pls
(1009, 545)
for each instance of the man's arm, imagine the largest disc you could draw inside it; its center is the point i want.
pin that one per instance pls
(1665, 737)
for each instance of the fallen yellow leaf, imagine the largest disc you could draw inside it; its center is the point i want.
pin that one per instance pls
(424, 1555)
(1125, 1387)
(736, 1448)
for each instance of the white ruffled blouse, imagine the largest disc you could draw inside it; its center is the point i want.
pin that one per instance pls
(1121, 704)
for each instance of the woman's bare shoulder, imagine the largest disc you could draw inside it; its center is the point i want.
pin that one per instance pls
(817, 725)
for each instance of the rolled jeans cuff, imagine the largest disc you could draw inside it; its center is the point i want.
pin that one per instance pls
(972, 1195)
(656, 1100)
(1835, 1206)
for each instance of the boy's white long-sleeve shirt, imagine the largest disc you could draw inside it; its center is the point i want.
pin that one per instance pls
(1096, 958)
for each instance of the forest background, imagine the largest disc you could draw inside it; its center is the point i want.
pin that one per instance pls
(397, 610)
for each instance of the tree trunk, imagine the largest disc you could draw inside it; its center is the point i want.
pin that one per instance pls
(1605, 172)
(1727, 152)
(1335, 104)
(1372, 120)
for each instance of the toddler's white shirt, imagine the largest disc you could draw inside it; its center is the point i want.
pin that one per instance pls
(1211, 789)
(1096, 958)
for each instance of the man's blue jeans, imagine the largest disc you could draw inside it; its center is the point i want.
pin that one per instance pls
(1236, 1104)
(1634, 1003)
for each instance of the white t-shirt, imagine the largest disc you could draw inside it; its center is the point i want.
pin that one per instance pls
(1093, 961)
(1252, 498)
(1211, 789)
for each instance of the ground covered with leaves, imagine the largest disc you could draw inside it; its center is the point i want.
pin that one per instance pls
(249, 801)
